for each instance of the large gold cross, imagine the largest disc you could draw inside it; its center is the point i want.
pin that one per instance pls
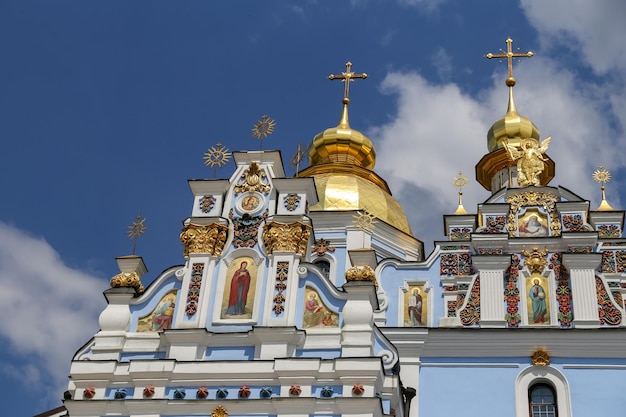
(509, 55)
(347, 77)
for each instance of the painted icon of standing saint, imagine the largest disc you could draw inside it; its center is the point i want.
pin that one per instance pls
(239, 289)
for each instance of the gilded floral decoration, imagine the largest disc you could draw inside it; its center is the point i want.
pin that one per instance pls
(129, 280)
(361, 273)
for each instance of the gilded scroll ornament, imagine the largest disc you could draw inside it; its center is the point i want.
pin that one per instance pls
(535, 261)
(361, 273)
(530, 159)
(204, 239)
(292, 237)
(253, 179)
(128, 280)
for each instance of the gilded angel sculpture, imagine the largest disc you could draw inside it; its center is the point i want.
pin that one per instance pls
(530, 159)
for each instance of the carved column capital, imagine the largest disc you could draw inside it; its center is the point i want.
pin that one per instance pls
(283, 237)
(204, 238)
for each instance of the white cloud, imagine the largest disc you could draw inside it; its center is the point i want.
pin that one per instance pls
(49, 310)
(436, 132)
(595, 27)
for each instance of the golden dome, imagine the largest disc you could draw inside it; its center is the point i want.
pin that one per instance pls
(512, 128)
(341, 160)
(342, 144)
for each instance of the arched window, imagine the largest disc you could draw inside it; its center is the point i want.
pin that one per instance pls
(542, 401)
(539, 384)
(324, 265)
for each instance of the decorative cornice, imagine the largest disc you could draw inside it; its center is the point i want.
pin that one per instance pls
(204, 239)
(283, 237)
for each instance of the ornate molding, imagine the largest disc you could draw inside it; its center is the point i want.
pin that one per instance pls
(128, 280)
(361, 273)
(204, 239)
(292, 237)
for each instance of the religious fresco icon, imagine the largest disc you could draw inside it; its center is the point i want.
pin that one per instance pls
(415, 302)
(239, 291)
(250, 203)
(316, 314)
(533, 224)
(161, 317)
(538, 300)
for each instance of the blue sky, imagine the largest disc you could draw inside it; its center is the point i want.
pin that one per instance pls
(106, 109)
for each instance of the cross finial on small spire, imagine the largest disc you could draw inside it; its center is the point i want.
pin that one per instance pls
(460, 182)
(347, 77)
(510, 55)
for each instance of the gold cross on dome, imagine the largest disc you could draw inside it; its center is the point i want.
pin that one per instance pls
(510, 55)
(347, 77)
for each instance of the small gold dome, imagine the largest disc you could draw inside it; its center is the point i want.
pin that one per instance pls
(512, 128)
(342, 144)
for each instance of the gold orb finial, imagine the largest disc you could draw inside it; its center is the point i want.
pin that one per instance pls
(136, 229)
(263, 128)
(602, 176)
(460, 182)
(217, 156)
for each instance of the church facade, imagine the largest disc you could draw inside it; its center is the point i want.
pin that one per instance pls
(310, 296)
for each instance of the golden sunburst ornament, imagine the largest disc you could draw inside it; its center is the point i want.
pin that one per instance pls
(460, 182)
(602, 176)
(263, 128)
(364, 220)
(217, 156)
(136, 229)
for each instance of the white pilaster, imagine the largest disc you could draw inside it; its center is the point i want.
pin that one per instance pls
(582, 268)
(288, 316)
(491, 269)
(357, 333)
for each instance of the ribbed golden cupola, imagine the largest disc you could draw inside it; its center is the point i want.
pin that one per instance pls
(512, 127)
(341, 160)
(516, 157)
